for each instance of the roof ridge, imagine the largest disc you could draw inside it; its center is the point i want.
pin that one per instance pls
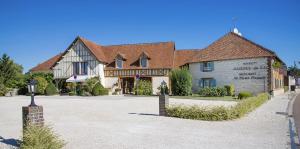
(145, 43)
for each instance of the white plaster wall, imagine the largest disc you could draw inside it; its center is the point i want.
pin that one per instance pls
(226, 73)
(110, 81)
(156, 82)
(101, 74)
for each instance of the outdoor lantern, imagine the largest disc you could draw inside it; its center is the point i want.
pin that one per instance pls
(32, 89)
(163, 87)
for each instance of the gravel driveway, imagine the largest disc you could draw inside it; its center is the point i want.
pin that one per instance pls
(132, 122)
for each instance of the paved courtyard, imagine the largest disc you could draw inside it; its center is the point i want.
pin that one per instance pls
(131, 122)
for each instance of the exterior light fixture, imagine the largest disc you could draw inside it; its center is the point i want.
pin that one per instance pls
(32, 89)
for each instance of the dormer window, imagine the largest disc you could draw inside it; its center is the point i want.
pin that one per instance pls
(144, 60)
(119, 63)
(120, 58)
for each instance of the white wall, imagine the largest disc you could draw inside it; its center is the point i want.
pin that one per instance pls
(231, 72)
(77, 53)
(156, 82)
(110, 81)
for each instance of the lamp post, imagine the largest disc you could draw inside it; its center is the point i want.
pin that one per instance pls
(163, 87)
(32, 89)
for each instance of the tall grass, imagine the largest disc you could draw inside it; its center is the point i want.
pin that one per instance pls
(40, 137)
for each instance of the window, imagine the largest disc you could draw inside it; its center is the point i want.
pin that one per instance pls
(80, 68)
(207, 82)
(75, 68)
(119, 63)
(207, 66)
(144, 62)
(84, 68)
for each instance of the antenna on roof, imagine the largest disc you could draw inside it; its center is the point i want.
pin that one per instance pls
(235, 30)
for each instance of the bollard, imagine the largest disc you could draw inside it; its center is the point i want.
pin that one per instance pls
(163, 103)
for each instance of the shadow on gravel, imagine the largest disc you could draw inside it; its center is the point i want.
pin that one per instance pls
(11, 141)
(145, 114)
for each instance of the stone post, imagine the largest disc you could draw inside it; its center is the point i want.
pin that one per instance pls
(32, 115)
(163, 103)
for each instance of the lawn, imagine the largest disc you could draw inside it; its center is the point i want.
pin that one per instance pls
(198, 97)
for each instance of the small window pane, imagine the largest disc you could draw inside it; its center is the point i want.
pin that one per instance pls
(75, 68)
(144, 62)
(84, 67)
(119, 63)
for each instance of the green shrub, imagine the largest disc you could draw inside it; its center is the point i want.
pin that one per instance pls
(212, 92)
(72, 93)
(144, 87)
(51, 89)
(41, 85)
(99, 90)
(40, 137)
(229, 90)
(181, 80)
(3, 90)
(243, 95)
(90, 83)
(71, 87)
(217, 113)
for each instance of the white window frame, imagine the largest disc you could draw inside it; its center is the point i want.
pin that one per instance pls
(118, 59)
(146, 60)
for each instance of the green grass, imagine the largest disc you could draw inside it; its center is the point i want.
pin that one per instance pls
(198, 97)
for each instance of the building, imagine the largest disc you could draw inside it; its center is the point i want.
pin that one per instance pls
(232, 59)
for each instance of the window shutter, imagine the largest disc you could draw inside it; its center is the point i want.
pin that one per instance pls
(200, 83)
(213, 82)
(212, 66)
(201, 67)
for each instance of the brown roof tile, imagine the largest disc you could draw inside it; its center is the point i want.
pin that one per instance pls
(46, 66)
(185, 56)
(231, 46)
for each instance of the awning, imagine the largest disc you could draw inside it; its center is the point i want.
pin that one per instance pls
(80, 78)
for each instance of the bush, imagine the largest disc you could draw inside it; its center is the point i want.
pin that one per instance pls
(212, 92)
(51, 89)
(229, 90)
(41, 85)
(90, 83)
(243, 95)
(40, 137)
(3, 90)
(71, 87)
(144, 87)
(181, 81)
(217, 113)
(72, 93)
(99, 90)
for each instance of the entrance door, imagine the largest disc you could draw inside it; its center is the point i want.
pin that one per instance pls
(127, 85)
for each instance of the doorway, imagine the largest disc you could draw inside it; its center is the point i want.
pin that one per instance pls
(127, 85)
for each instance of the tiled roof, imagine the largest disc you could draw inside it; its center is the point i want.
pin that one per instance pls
(231, 46)
(46, 66)
(160, 55)
(184, 56)
(164, 55)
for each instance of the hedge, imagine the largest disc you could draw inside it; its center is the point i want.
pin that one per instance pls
(144, 87)
(217, 113)
(181, 80)
(212, 92)
(243, 95)
(99, 90)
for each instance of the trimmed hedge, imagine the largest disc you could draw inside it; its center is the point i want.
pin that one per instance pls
(243, 95)
(217, 113)
(51, 89)
(212, 92)
(41, 137)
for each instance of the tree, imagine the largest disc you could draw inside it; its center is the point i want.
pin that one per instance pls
(10, 73)
(294, 71)
(181, 80)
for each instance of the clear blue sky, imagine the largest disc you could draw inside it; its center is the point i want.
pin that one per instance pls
(32, 31)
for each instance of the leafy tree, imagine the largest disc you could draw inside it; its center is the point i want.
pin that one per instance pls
(294, 71)
(41, 85)
(181, 81)
(10, 73)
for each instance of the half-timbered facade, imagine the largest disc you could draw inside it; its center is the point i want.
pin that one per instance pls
(231, 59)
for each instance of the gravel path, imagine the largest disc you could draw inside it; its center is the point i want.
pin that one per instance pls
(132, 122)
